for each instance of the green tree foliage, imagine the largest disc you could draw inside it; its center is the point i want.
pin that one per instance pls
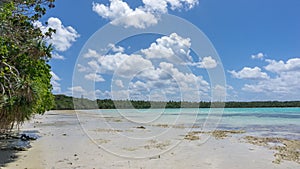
(25, 87)
(63, 102)
(66, 103)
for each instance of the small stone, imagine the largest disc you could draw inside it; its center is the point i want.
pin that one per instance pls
(141, 127)
(20, 148)
(13, 156)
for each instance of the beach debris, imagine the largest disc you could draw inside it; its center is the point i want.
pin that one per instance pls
(141, 127)
(288, 150)
(221, 134)
(179, 126)
(60, 161)
(196, 126)
(162, 125)
(108, 130)
(129, 130)
(154, 144)
(117, 120)
(21, 148)
(102, 141)
(192, 136)
(130, 148)
(218, 134)
(16, 141)
(25, 137)
(154, 157)
(13, 156)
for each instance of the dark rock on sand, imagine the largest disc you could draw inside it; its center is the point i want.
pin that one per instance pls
(141, 127)
(25, 137)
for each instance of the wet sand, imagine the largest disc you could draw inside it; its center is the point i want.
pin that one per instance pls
(112, 142)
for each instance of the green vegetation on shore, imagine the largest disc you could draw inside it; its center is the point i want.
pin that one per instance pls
(25, 87)
(63, 102)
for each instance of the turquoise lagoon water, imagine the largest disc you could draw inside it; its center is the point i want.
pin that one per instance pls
(267, 122)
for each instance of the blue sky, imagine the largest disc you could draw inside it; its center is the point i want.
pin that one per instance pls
(257, 42)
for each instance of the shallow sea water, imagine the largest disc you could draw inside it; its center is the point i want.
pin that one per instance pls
(267, 122)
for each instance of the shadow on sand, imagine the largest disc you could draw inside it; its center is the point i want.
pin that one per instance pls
(12, 143)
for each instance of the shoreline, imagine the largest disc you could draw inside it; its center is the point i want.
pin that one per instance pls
(63, 144)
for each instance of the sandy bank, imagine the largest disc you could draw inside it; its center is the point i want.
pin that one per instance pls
(89, 142)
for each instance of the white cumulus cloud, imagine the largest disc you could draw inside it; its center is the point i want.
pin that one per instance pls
(249, 73)
(55, 82)
(64, 36)
(115, 48)
(120, 13)
(138, 19)
(280, 66)
(55, 55)
(258, 56)
(91, 54)
(173, 48)
(77, 89)
(132, 66)
(119, 83)
(109, 63)
(284, 84)
(138, 75)
(95, 67)
(94, 77)
(207, 63)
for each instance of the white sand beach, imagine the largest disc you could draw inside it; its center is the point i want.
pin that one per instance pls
(66, 143)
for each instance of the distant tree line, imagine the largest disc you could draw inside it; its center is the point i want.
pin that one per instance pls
(63, 102)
